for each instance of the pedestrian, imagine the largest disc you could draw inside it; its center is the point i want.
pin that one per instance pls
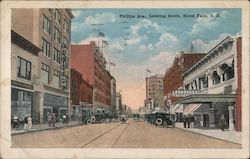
(184, 121)
(192, 121)
(189, 120)
(222, 122)
(15, 121)
(201, 120)
(29, 119)
(64, 118)
(53, 120)
(49, 119)
(25, 122)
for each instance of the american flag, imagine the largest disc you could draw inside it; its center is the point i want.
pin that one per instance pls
(148, 71)
(105, 42)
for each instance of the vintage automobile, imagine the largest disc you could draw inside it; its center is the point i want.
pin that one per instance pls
(161, 119)
(136, 117)
(123, 118)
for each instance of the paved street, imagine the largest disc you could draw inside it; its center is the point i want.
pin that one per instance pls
(118, 135)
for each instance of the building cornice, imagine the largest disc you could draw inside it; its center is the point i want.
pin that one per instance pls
(216, 50)
(24, 43)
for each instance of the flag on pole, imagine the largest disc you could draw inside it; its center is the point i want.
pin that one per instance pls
(148, 71)
(101, 34)
(111, 63)
(105, 42)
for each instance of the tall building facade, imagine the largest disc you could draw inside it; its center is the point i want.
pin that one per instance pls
(118, 103)
(91, 63)
(49, 30)
(113, 95)
(154, 91)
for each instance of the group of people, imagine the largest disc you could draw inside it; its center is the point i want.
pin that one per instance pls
(188, 121)
(27, 122)
(51, 117)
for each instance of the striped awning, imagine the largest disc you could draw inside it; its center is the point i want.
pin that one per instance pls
(191, 108)
(178, 108)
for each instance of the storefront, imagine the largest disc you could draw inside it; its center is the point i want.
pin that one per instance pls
(54, 104)
(21, 99)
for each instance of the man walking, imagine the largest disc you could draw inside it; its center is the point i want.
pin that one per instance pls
(29, 124)
(184, 121)
(49, 119)
(189, 120)
(222, 122)
(25, 128)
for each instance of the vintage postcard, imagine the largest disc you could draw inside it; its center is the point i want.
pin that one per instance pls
(124, 79)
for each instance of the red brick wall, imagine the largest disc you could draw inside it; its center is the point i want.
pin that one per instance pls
(86, 92)
(238, 120)
(82, 60)
(173, 76)
(75, 82)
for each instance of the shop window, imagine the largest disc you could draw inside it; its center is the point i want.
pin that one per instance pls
(45, 73)
(23, 68)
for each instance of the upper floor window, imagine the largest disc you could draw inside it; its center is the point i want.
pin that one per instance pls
(56, 56)
(57, 15)
(45, 47)
(45, 73)
(65, 42)
(57, 37)
(46, 24)
(23, 68)
(66, 26)
(56, 76)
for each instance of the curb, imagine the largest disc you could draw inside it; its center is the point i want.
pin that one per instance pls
(55, 128)
(210, 136)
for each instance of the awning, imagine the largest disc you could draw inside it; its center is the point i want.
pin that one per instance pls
(178, 108)
(191, 108)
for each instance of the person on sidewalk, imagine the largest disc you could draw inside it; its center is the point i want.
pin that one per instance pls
(49, 119)
(15, 121)
(29, 119)
(192, 120)
(53, 120)
(189, 120)
(222, 122)
(201, 120)
(184, 121)
(64, 117)
(25, 128)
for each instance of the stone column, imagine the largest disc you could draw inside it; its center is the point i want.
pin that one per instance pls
(231, 117)
(212, 117)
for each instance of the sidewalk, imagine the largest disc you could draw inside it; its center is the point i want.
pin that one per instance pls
(40, 127)
(231, 136)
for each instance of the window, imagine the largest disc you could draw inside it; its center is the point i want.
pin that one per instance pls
(57, 35)
(45, 47)
(56, 56)
(57, 15)
(65, 42)
(45, 73)
(66, 26)
(56, 78)
(23, 69)
(46, 24)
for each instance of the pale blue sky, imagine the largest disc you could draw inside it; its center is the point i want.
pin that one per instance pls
(139, 43)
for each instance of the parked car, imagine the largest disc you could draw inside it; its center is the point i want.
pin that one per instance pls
(161, 119)
(136, 117)
(123, 118)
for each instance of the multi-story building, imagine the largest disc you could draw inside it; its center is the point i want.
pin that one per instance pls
(118, 103)
(217, 80)
(91, 63)
(48, 29)
(81, 93)
(113, 95)
(24, 66)
(154, 90)
(173, 81)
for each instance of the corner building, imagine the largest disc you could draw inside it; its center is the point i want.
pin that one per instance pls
(49, 30)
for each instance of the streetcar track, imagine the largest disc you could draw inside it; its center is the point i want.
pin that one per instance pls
(99, 136)
(120, 135)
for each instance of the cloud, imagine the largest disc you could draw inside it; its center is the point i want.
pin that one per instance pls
(100, 18)
(116, 46)
(168, 37)
(76, 13)
(208, 23)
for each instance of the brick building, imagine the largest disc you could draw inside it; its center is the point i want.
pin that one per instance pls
(90, 62)
(173, 80)
(49, 30)
(81, 92)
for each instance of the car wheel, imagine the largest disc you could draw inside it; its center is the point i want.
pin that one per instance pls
(89, 121)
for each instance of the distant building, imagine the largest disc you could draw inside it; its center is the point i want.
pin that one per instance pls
(90, 62)
(118, 103)
(113, 95)
(217, 80)
(49, 30)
